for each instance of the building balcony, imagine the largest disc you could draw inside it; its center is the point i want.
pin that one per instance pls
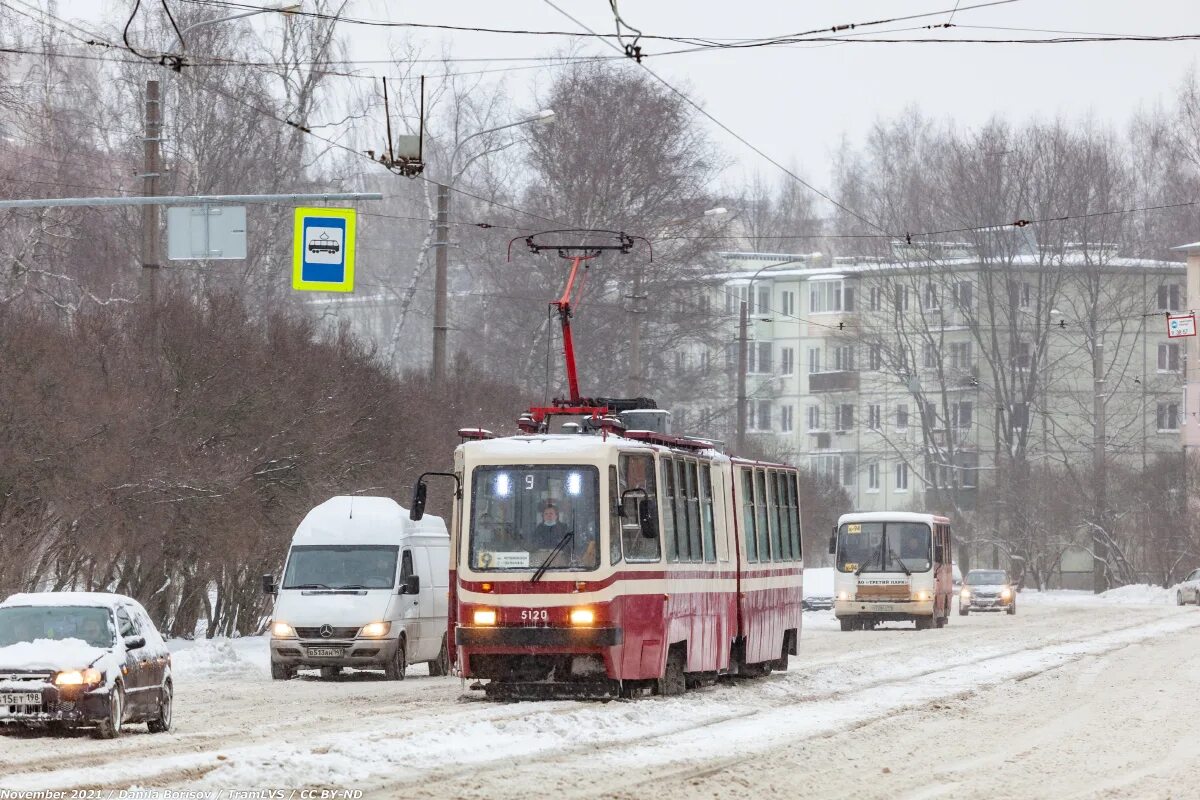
(819, 382)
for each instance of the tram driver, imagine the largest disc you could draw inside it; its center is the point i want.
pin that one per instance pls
(549, 531)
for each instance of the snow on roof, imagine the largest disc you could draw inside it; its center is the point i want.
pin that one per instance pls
(92, 599)
(510, 449)
(890, 516)
(363, 520)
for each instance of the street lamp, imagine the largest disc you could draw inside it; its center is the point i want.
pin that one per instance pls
(442, 241)
(288, 9)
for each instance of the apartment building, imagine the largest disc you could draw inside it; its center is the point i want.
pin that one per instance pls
(910, 379)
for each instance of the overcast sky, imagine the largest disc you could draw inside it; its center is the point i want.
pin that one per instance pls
(796, 102)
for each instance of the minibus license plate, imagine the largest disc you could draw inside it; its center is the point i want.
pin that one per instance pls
(326, 652)
(20, 699)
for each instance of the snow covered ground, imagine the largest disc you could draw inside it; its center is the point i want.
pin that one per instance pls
(1076, 695)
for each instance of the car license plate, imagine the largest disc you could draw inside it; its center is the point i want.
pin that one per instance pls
(20, 698)
(326, 652)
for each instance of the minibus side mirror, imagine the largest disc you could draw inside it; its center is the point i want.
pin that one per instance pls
(135, 642)
(410, 584)
(268, 585)
(418, 501)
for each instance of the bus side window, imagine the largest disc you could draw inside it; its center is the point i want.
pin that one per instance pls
(614, 517)
(748, 521)
(706, 513)
(668, 508)
(637, 472)
(761, 525)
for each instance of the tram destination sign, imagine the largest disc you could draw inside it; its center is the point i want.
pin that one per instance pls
(1180, 325)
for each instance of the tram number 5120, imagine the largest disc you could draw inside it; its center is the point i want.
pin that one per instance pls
(535, 615)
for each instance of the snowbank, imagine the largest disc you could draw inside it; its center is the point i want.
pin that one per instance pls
(818, 582)
(247, 656)
(1136, 594)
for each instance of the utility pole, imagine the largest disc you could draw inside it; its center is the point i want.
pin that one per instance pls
(441, 245)
(743, 345)
(635, 336)
(151, 171)
(1100, 471)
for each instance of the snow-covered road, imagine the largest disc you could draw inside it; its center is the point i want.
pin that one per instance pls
(1073, 696)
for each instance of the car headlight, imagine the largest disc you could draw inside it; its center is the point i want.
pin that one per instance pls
(79, 677)
(375, 630)
(966, 594)
(582, 616)
(281, 630)
(484, 616)
(1005, 593)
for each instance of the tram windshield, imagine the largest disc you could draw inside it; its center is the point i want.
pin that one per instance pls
(884, 547)
(521, 515)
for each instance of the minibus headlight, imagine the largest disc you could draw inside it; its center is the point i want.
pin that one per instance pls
(922, 596)
(582, 616)
(281, 630)
(78, 677)
(484, 616)
(375, 630)
(843, 595)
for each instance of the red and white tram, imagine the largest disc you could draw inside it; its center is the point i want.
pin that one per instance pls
(610, 557)
(611, 562)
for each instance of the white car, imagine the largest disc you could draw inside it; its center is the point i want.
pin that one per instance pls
(1188, 590)
(82, 659)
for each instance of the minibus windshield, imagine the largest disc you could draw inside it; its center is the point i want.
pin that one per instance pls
(522, 514)
(328, 566)
(884, 547)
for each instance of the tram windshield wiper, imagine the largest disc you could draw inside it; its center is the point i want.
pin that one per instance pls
(537, 576)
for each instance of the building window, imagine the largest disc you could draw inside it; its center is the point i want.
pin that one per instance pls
(901, 298)
(1170, 297)
(764, 300)
(932, 300)
(876, 301)
(1168, 417)
(964, 294)
(873, 477)
(929, 355)
(1168, 357)
(786, 423)
(843, 358)
(1023, 356)
(814, 360)
(875, 357)
(960, 355)
(1025, 296)
(814, 418)
(931, 415)
(787, 303)
(902, 417)
(873, 417)
(1018, 416)
(845, 417)
(759, 358)
(828, 296)
(901, 477)
(764, 415)
(962, 413)
(787, 361)
(849, 471)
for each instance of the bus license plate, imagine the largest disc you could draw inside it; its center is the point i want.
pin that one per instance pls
(326, 652)
(20, 699)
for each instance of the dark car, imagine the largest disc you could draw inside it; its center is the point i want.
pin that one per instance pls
(82, 659)
(987, 590)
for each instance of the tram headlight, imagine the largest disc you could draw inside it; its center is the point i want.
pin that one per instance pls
(484, 616)
(582, 616)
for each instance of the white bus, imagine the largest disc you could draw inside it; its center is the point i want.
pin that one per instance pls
(892, 566)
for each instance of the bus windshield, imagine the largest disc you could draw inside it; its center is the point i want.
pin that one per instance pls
(884, 547)
(520, 515)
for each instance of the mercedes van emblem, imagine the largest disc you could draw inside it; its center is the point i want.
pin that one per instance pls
(326, 631)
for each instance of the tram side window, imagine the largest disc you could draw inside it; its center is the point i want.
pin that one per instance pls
(776, 503)
(794, 515)
(761, 524)
(637, 472)
(614, 524)
(748, 515)
(706, 513)
(681, 511)
(668, 508)
(693, 511)
(779, 491)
